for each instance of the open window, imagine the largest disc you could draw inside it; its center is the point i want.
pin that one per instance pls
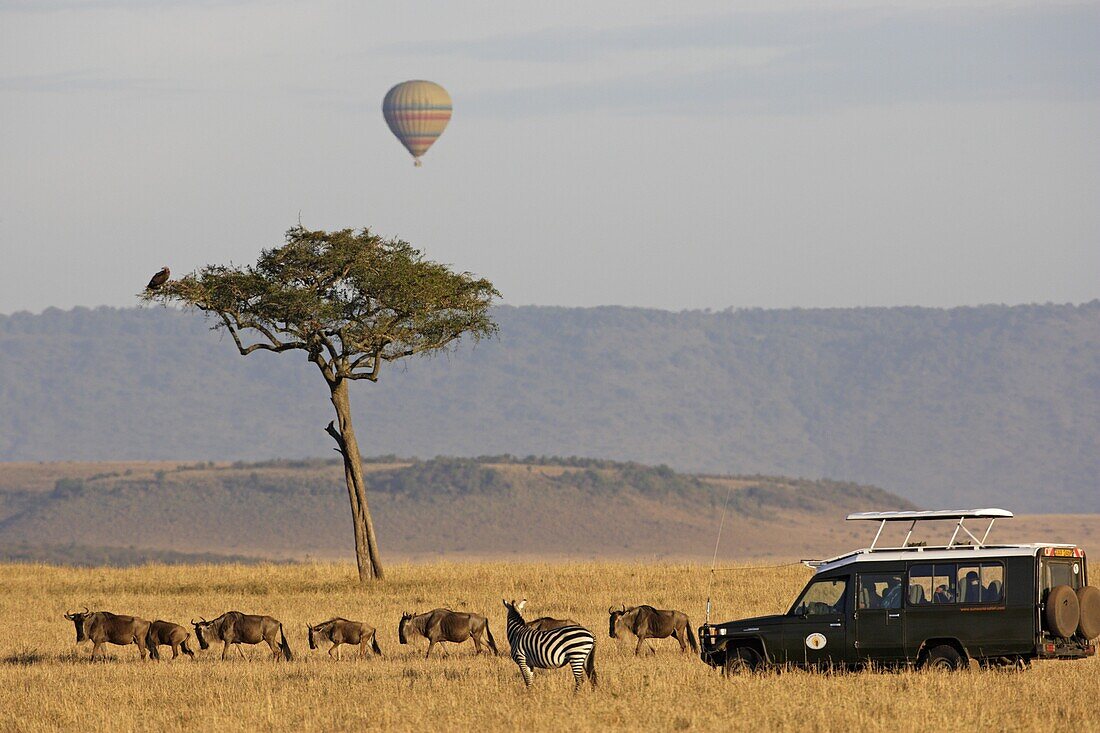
(880, 590)
(932, 585)
(821, 598)
(981, 582)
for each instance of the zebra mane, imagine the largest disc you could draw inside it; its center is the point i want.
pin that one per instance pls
(512, 610)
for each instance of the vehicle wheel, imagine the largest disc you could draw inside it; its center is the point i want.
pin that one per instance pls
(944, 658)
(741, 660)
(1062, 612)
(1088, 599)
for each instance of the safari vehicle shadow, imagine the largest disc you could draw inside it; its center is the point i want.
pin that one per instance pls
(877, 669)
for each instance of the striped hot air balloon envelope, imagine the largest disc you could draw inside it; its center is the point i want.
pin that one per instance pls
(417, 112)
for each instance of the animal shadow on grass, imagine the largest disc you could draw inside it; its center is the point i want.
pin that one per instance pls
(27, 657)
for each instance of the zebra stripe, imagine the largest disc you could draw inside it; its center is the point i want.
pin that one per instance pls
(551, 649)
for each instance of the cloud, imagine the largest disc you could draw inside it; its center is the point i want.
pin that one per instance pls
(80, 81)
(50, 6)
(818, 60)
(572, 44)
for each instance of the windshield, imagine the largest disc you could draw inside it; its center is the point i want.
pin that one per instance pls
(822, 597)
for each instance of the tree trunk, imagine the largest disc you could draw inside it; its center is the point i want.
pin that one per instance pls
(366, 543)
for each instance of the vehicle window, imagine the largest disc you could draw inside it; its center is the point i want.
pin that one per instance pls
(920, 585)
(970, 583)
(822, 598)
(1060, 572)
(943, 584)
(932, 584)
(993, 582)
(880, 591)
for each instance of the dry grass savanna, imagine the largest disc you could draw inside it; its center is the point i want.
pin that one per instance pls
(47, 682)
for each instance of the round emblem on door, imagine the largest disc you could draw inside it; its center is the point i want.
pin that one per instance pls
(815, 641)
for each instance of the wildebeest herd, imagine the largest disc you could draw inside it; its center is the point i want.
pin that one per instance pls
(543, 643)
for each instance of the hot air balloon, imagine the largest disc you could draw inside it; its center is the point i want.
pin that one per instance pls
(417, 112)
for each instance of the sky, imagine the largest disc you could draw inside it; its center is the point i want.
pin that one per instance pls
(674, 155)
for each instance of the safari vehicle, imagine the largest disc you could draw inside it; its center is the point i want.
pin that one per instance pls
(939, 606)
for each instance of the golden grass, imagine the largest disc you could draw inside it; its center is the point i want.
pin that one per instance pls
(46, 682)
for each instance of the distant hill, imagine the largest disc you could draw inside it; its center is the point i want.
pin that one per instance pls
(492, 507)
(78, 555)
(990, 405)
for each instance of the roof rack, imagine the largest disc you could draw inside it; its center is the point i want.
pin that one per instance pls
(926, 516)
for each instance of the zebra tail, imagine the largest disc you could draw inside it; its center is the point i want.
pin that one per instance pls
(590, 666)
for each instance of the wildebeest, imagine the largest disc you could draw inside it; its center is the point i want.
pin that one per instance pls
(341, 631)
(166, 633)
(443, 624)
(647, 622)
(546, 622)
(234, 627)
(103, 627)
(550, 649)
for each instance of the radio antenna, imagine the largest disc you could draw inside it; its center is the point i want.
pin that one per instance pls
(714, 560)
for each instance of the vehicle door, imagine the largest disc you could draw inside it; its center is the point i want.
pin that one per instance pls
(931, 609)
(1059, 566)
(879, 618)
(817, 631)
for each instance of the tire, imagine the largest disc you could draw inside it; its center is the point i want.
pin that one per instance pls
(742, 660)
(1088, 599)
(944, 658)
(1062, 612)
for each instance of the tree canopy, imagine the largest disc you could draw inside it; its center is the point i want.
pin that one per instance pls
(352, 299)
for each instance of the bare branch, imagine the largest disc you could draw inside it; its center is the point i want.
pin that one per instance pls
(331, 430)
(370, 374)
(372, 355)
(278, 346)
(328, 370)
(333, 355)
(258, 326)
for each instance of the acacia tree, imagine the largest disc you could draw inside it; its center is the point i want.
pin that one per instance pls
(352, 301)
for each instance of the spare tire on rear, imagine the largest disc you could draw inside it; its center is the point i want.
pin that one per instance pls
(1088, 599)
(1062, 611)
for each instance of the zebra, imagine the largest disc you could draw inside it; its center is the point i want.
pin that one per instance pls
(550, 649)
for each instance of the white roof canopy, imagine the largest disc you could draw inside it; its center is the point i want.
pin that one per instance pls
(958, 515)
(917, 516)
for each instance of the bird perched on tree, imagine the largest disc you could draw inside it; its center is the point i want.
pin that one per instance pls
(159, 279)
